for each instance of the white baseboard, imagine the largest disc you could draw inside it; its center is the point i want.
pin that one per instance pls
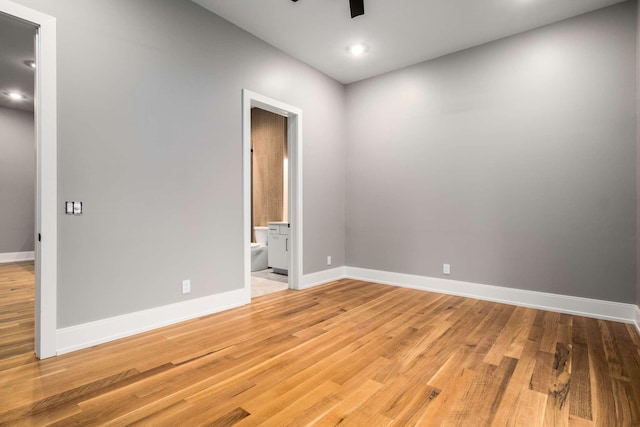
(322, 277)
(607, 310)
(16, 257)
(101, 331)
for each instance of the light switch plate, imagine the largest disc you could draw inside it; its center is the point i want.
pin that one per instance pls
(77, 208)
(68, 208)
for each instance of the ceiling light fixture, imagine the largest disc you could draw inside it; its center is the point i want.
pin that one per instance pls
(15, 96)
(357, 49)
(30, 63)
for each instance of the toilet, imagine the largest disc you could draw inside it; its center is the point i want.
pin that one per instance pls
(259, 253)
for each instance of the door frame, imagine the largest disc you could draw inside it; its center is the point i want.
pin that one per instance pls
(294, 143)
(45, 119)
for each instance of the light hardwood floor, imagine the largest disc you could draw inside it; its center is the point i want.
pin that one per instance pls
(348, 353)
(16, 311)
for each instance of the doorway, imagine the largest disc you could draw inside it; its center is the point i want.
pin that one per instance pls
(17, 187)
(289, 230)
(269, 203)
(46, 183)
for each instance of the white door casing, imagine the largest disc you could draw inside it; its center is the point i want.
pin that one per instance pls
(294, 139)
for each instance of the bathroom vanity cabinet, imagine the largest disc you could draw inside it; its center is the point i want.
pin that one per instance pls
(279, 247)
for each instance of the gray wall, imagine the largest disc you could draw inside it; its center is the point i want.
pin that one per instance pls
(149, 102)
(17, 180)
(513, 161)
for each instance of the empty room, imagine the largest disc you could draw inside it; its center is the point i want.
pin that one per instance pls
(438, 226)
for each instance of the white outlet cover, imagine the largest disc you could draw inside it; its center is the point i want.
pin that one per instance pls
(446, 268)
(329, 260)
(186, 286)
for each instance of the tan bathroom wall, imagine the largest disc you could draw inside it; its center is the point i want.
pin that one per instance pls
(268, 140)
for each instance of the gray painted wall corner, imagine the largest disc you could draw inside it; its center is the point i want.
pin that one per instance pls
(513, 161)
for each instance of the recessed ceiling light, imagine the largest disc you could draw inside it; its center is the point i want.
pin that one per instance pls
(15, 96)
(30, 63)
(357, 49)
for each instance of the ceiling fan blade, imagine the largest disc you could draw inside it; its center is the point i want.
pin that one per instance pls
(357, 7)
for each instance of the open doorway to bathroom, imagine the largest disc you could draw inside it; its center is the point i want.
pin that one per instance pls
(269, 203)
(284, 241)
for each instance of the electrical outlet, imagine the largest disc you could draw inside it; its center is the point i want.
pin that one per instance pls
(329, 260)
(186, 286)
(446, 268)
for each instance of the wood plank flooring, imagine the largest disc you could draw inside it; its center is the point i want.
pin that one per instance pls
(16, 311)
(348, 353)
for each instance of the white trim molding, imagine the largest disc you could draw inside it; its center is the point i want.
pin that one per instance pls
(97, 332)
(322, 277)
(8, 257)
(93, 333)
(598, 309)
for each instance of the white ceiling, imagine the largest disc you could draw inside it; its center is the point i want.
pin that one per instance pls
(16, 46)
(398, 33)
